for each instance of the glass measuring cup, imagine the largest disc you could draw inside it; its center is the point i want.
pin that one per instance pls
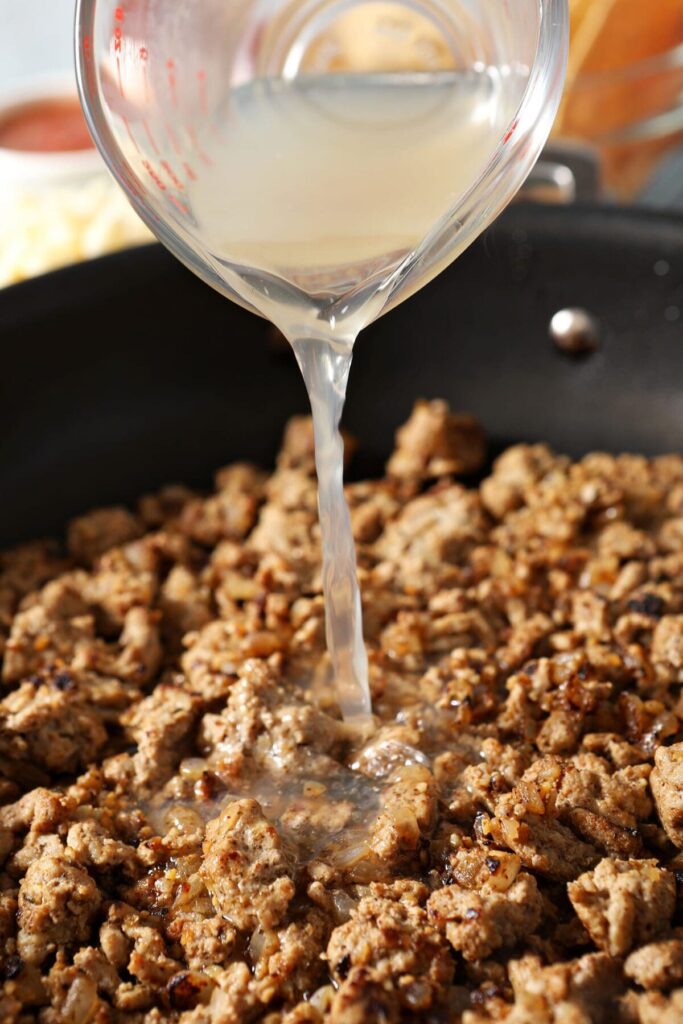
(155, 79)
(318, 161)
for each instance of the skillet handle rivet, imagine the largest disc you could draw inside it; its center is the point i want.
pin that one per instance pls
(575, 332)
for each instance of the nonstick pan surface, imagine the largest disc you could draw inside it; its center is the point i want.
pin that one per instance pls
(127, 372)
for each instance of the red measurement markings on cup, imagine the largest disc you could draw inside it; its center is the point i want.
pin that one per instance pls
(143, 54)
(148, 133)
(155, 176)
(179, 205)
(173, 138)
(117, 41)
(161, 184)
(187, 167)
(190, 172)
(201, 85)
(89, 63)
(173, 176)
(172, 81)
(135, 186)
(510, 132)
(195, 142)
(132, 138)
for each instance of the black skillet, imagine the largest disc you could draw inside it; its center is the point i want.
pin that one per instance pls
(126, 373)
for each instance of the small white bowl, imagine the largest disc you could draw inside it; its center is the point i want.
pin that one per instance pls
(57, 208)
(35, 170)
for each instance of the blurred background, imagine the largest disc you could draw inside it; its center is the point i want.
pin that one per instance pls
(618, 136)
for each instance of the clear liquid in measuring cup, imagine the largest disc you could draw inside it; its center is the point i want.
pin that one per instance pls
(318, 190)
(316, 194)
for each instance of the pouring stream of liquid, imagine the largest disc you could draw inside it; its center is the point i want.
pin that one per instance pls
(325, 369)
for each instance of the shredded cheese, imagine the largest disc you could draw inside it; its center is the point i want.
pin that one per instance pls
(43, 228)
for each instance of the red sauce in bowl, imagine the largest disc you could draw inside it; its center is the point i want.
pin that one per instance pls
(45, 126)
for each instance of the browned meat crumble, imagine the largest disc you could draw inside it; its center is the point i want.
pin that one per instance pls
(190, 833)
